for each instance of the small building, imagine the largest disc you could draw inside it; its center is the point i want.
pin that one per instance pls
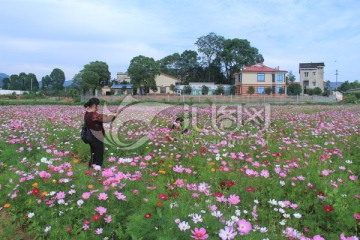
(196, 88)
(163, 83)
(121, 89)
(311, 76)
(338, 95)
(260, 77)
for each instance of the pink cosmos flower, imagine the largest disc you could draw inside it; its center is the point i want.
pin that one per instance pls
(265, 173)
(102, 196)
(86, 195)
(60, 195)
(357, 216)
(99, 231)
(233, 199)
(244, 227)
(342, 237)
(101, 210)
(199, 233)
(108, 219)
(120, 196)
(227, 233)
(318, 237)
(352, 177)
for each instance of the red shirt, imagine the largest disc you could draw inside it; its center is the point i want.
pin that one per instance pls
(94, 121)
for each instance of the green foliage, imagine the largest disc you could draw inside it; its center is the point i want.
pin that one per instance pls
(187, 89)
(281, 90)
(268, 90)
(251, 90)
(172, 88)
(294, 89)
(204, 90)
(57, 79)
(101, 69)
(142, 71)
(290, 77)
(219, 90)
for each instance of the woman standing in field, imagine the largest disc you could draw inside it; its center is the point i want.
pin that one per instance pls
(94, 122)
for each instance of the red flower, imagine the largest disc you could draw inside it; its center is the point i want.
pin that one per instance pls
(35, 191)
(328, 208)
(174, 195)
(96, 217)
(250, 189)
(203, 150)
(230, 184)
(321, 193)
(218, 194)
(147, 215)
(163, 196)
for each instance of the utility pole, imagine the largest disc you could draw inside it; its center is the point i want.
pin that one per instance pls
(336, 79)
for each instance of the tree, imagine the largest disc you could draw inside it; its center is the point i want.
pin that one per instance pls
(187, 89)
(294, 89)
(236, 54)
(327, 85)
(204, 90)
(142, 71)
(172, 88)
(6, 83)
(46, 83)
(89, 81)
(219, 90)
(268, 90)
(344, 86)
(15, 82)
(251, 90)
(317, 91)
(57, 80)
(281, 90)
(210, 46)
(32, 83)
(188, 67)
(232, 90)
(102, 70)
(290, 77)
(170, 64)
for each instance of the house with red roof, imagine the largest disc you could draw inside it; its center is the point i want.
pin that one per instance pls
(260, 77)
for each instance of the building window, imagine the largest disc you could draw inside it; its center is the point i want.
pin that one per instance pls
(260, 90)
(278, 88)
(240, 78)
(279, 78)
(306, 74)
(314, 73)
(306, 83)
(261, 77)
(162, 89)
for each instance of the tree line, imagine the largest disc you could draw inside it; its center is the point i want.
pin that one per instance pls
(216, 60)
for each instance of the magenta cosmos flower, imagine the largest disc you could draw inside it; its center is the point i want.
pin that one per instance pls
(199, 233)
(244, 227)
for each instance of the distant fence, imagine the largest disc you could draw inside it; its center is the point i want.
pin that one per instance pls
(218, 98)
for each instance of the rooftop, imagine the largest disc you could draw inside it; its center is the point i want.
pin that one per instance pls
(261, 68)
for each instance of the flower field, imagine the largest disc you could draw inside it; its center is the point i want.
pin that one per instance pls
(295, 178)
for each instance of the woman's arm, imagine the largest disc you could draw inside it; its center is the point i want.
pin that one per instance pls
(102, 117)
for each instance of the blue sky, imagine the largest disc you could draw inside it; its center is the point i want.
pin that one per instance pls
(39, 35)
